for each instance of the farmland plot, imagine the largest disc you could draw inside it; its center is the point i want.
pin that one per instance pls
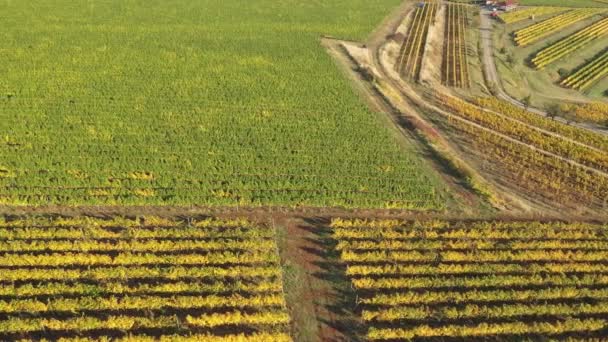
(194, 102)
(527, 13)
(82, 279)
(536, 32)
(535, 157)
(589, 73)
(477, 280)
(570, 44)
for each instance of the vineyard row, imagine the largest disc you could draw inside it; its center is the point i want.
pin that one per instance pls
(570, 44)
(588, 74)
(534, 33)
(412, 50)
(455, 67)
(486, 291)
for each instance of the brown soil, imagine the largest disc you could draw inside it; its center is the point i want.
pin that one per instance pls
(323, 298)
(430, 71)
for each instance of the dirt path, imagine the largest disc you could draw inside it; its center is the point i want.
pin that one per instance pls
(334, 48)
(485, 28)
(265, 215)
(390, 24)
(493, 79)
(321, 300)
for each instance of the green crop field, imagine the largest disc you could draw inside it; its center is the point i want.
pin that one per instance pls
(194, 102)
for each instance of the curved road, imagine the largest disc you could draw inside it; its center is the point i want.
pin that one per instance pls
(492, 78)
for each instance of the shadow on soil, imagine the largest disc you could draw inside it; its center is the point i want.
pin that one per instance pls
(342, 306)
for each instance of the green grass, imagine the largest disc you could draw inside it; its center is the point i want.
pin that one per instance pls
(565, 3)
(194, 102)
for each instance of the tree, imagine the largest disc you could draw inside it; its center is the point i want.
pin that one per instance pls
(527, 101)
(510, 60)
(554, 110)
(493, 88)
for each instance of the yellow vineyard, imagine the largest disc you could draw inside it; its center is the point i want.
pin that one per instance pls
(140, 280)
(476, 280)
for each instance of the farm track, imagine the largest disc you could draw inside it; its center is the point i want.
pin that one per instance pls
(455, 71)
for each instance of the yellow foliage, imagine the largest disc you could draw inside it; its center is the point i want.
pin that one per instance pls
(141, 175)
(143, 192)
(594, 112)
